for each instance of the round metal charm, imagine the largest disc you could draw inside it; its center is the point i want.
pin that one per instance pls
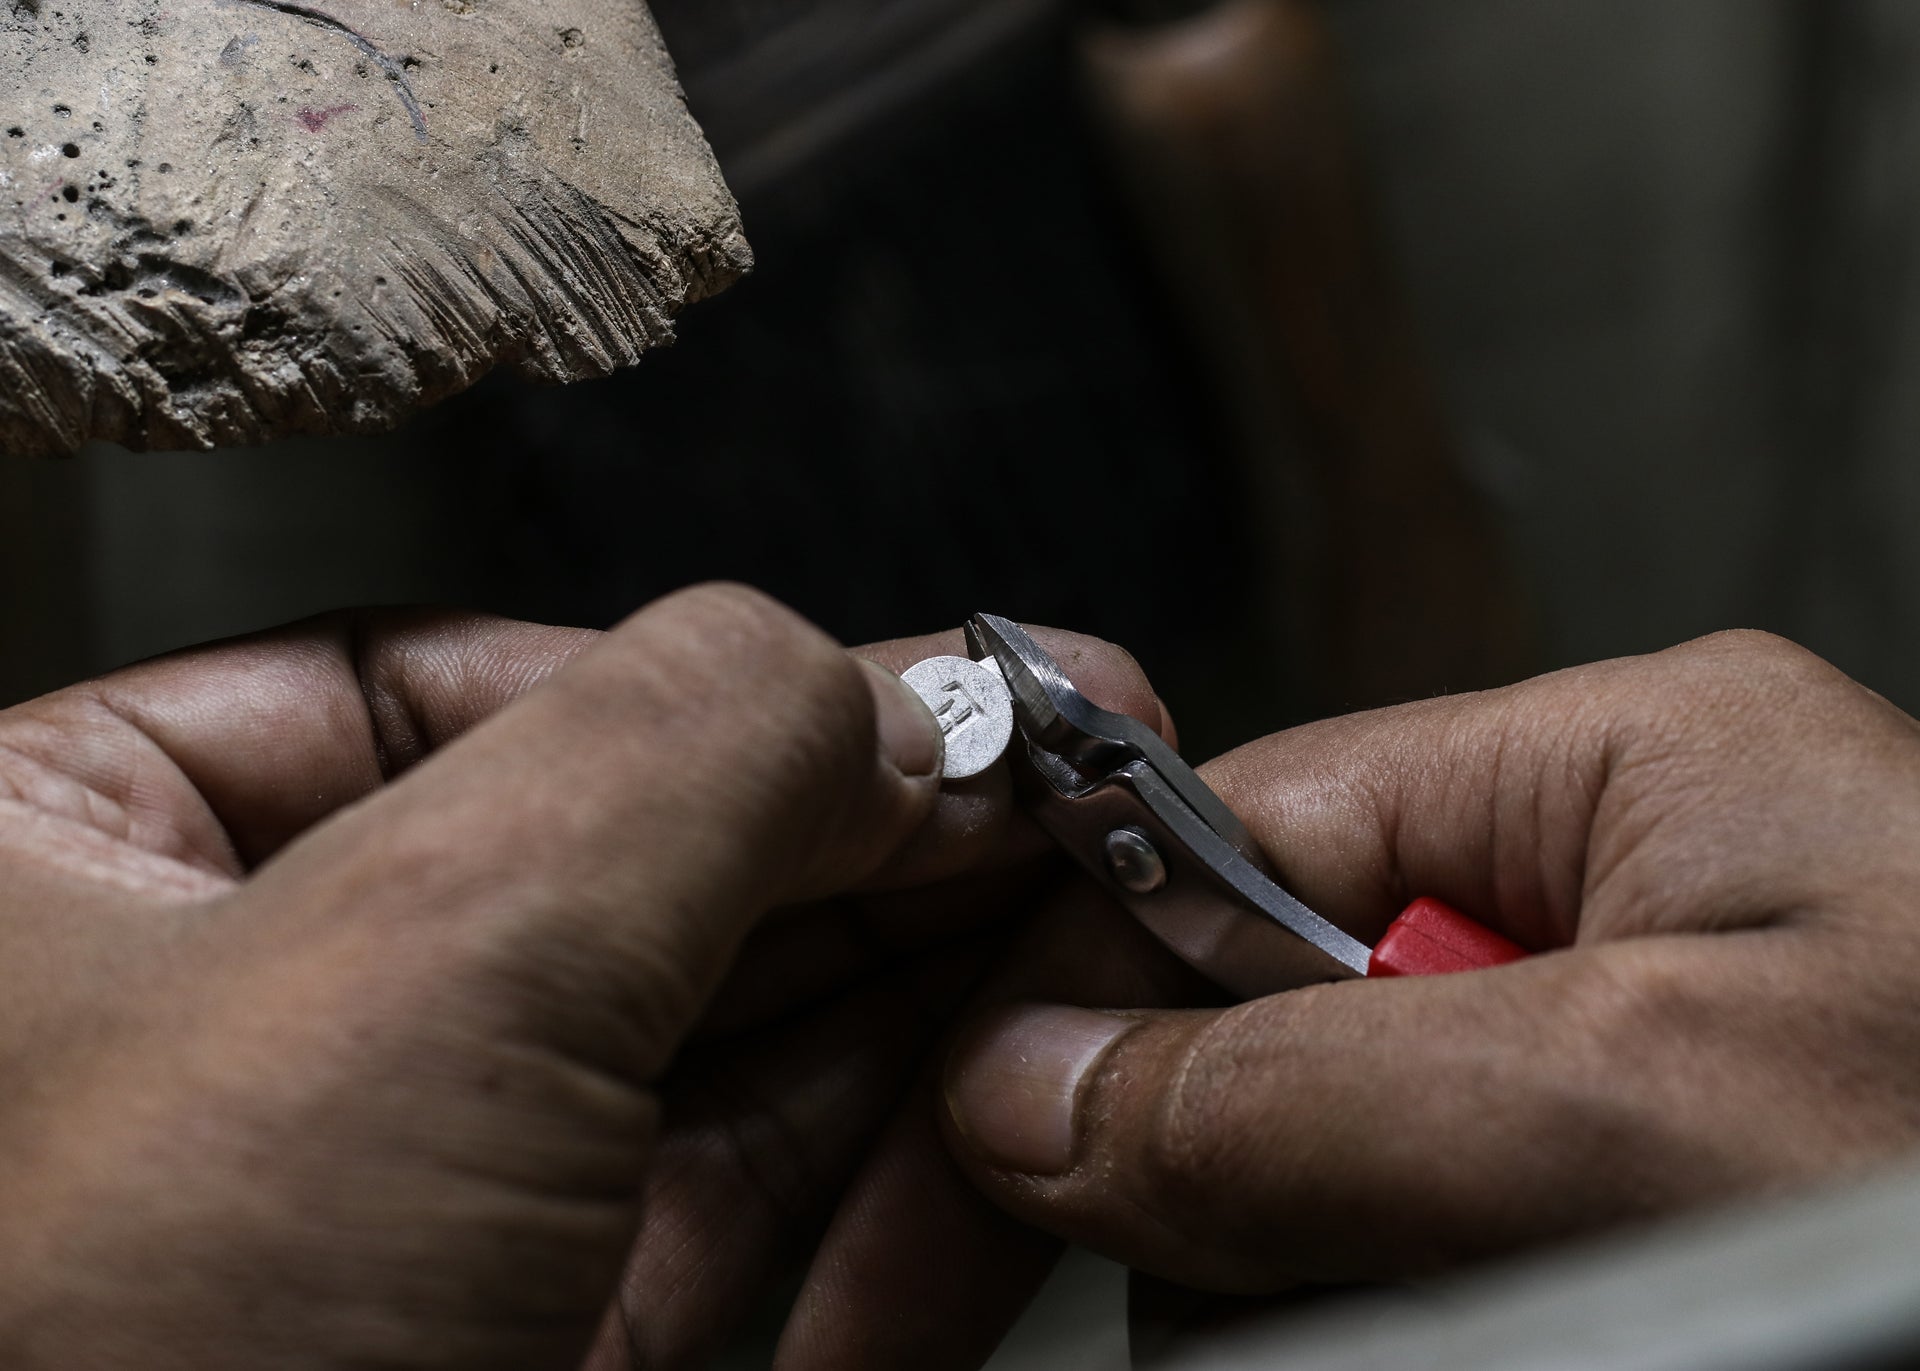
(974, 708)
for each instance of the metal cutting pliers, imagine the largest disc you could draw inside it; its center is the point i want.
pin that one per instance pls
(1121, 802)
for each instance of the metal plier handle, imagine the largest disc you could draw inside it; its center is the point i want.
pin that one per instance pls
(1121, 803)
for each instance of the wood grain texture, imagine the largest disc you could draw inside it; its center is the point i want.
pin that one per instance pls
(227, 221)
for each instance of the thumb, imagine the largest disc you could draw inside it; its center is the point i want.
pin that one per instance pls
(600, 847)
(1365, 1131)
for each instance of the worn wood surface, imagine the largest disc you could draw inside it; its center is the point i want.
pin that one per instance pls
(227, 221)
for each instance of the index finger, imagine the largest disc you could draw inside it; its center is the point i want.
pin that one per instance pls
(1484, 801)
(264, 736)
(1689, 788)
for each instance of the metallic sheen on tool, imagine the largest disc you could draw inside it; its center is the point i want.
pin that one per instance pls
(1121, 802)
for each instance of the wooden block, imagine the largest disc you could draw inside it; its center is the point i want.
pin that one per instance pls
(224, 221)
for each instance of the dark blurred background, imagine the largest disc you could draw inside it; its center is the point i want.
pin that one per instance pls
(1324, 354)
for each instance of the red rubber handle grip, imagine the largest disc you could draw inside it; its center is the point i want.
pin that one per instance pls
(1433, 939)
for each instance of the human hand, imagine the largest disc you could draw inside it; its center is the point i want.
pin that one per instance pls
(307, 1069)
(1713, 846)
(805, 1065)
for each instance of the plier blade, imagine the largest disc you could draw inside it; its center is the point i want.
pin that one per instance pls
(1121, 802)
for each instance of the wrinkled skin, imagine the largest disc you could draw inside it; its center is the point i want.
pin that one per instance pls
(1716, 847)
(432, 991)
(374, 992)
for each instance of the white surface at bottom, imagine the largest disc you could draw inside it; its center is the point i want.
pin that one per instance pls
(1078, 1322)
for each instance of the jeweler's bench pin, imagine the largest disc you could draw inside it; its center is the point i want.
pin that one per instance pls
(975, 710)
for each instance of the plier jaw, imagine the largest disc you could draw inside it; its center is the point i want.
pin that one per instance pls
(1121, 802)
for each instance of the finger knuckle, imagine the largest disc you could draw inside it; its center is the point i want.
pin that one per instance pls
(769, 689)
(617, 1007)
(738, 639)
(1750, 667)
(1624, 1000)
(1197, 1141)
(729, 655)
(775, 1161)
(729, 603)
(1743, 699)
(1616, 1089)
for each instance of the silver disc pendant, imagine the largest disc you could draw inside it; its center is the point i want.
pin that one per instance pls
(974, 707)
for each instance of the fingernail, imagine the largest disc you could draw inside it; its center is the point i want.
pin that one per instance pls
(1014, 1084)
(909, 734)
